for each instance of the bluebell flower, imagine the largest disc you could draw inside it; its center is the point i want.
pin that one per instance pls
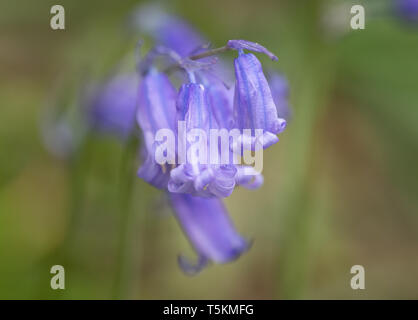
(156, 110)
(220, 100)
(113, 105)
(197, 175)
(254, 107)
(194, 183)
(407, 9)
(209, 229)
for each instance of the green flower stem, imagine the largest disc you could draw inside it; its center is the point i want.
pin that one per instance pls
(210, 52)
(205, 54)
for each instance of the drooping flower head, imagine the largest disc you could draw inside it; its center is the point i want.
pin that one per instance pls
(198, 176)
(157, 111)
(221, 103)
(203, 103)
(254, 107)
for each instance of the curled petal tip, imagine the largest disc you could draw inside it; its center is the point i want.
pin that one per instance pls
(249, 178)
(189, 268)
(282, 123)
(252, 46)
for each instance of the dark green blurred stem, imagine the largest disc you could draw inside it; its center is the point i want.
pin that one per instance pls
(127, 220)
(313, 70)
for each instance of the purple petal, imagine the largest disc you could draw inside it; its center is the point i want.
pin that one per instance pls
(268, 139)
(208, 228)
(248, 177)
(252, 46)
(209, 180)
(192, 269)
(181, 179)
(156, 105)
(246, 142)
(216, 181)
(153, 173)
(254, 107)
(224, 182)
(204, 179)
(192, 107)
(156, 110)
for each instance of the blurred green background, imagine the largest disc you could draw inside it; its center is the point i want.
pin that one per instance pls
(340, 186)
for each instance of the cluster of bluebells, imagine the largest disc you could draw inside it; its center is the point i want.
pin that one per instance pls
(203, 101)
(206, 99)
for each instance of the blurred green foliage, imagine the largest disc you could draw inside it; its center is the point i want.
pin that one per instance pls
(340, 187)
